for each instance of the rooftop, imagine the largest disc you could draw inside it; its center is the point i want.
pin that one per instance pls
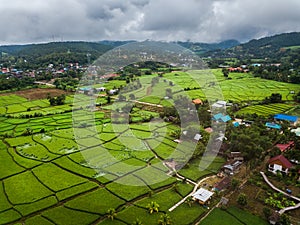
(202, 194)
(273, 125)
(286, 117)
(285, 162)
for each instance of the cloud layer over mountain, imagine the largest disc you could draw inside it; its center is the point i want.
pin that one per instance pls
(197, 20)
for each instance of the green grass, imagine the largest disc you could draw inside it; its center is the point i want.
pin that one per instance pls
(25, 188)
(64, 216)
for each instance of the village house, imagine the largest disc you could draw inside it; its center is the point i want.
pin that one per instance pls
(285, 147)
(222, 184)
(236, 156)
(221, 118)
(291, 119)
(232, 168)
(197, 101)
(296, 131)
(202, 196)
(279, 163)
(273, 126)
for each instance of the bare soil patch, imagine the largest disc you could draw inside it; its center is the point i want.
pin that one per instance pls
(38, 93)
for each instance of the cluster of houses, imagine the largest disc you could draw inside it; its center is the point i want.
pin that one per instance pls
(55, 71)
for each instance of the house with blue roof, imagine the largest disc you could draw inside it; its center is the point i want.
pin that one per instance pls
(273, 125)
(225, 118)
(221, 118)
(283, 117)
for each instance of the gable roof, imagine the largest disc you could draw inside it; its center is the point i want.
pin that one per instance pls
(285, 162)
(286, 117)
(284, 147)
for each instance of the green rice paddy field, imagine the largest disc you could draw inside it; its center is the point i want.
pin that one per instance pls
(55, 169)
(46, 179)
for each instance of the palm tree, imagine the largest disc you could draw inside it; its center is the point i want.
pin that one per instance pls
(153, 207)
(189, 201)
(137, 222)
(165, 220)
(111, 213)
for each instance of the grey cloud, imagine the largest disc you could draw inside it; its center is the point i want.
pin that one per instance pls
(197, 20)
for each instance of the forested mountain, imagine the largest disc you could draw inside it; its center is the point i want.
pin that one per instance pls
(201, 48)
(39, 55)
(274, 47)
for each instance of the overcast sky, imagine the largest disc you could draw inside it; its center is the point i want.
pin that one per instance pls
(35, 21)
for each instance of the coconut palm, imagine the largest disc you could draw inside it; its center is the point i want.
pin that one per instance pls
(165, 220)
(189, 201)
(111, 213)
(153, 207)
(137, 222)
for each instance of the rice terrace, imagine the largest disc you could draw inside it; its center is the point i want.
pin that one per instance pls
(46, 180)
(181, 133)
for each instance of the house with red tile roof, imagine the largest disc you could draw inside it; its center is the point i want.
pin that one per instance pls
(285, 147)
(197, 101)
(279, 163)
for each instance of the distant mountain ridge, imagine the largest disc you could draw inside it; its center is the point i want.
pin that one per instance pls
(273, 46)
(201, 48)
(54, 47)
(100, 47)
(267, 47)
